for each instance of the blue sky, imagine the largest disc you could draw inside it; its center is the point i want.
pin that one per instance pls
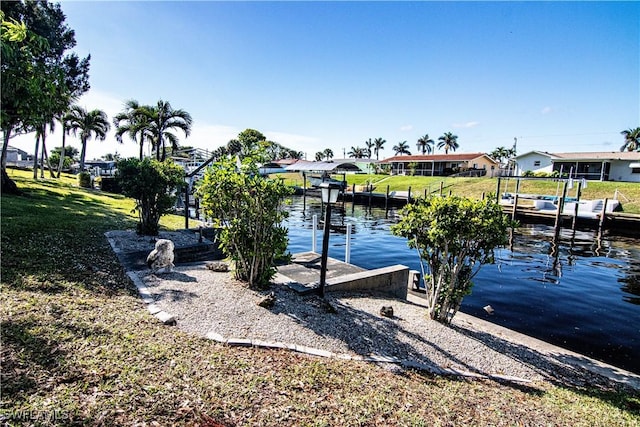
(559, 76)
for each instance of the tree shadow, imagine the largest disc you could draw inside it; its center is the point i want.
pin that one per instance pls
(368, 334)
(29, 357)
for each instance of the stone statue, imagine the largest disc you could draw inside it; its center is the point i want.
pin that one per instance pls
(160, 260)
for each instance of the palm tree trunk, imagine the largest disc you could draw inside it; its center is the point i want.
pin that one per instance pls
(46, 156)
(64, 141)
(35, 156)
(82, 153)
(3, 159)
(7, 186)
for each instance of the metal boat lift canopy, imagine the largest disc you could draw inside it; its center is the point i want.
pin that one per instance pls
(330, 166)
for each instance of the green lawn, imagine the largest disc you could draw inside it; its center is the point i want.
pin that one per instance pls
(629, 193)
(80, 346)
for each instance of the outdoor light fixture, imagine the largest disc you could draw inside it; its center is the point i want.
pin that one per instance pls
(330, 193)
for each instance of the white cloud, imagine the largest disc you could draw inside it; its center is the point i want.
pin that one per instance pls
(467, 125)
(406, 128)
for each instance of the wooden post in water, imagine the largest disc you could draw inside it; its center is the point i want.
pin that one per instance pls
(515, 206)
(353, 192)
(602, 216)
(575, 211)
(370, 189)
(556, 229)
(386, 199)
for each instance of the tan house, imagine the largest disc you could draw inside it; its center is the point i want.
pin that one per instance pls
(464, 164)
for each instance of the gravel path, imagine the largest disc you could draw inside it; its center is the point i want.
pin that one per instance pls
(204, 302)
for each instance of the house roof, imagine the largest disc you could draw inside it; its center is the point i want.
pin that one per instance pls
(582, 156)
(330, 166)
(459, 157)
(603, 155)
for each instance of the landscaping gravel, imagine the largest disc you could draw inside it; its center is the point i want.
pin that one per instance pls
(213, 304)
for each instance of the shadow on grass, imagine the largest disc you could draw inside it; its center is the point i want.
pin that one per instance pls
(51, 241)
(31, 356)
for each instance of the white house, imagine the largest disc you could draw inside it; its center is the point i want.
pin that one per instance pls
(598, 166)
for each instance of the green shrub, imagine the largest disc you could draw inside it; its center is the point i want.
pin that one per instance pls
(454, 237)
(527, 174)
(249, 210)
(541, 174)
(153, 185)
(84, 179)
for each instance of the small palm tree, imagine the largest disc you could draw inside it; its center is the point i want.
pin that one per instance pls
(94, 123)
(448, 141)
(319, 156)
(378, 144)
(328, 153)
(135, 123)
(631, 139)
(402, 148)
(425, 144)
(500, 154)
(369, 147)
(356, 153)
(163, 119)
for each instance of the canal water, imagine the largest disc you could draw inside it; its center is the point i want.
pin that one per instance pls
(579, 293)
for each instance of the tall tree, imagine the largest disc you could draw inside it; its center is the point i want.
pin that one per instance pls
(448, 141)
(425, 144)
(631, 139)
(402, 148)
(369, 145)
(135, 123)
(500, 153)
(39, 80)
(89, 124)
(356, 153)
(319, 156)
(328, 154)
(163, 120)
(378, 144)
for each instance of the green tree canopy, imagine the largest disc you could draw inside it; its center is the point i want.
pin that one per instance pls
(448, 141)
(402, 148)
(425, 144)
(631, 139)
(39, 79)
(88, 124)
(454, 237)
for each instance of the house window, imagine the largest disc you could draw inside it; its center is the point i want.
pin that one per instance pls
(635, 170)
(536, 163)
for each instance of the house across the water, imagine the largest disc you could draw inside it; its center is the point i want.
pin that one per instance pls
(464, 164)
(596, 166)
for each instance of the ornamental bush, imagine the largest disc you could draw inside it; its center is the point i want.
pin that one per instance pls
(84, 179)
(249, 210)
(154, 186)
(454, 237)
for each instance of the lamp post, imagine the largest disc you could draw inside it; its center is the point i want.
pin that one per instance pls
(330, 193)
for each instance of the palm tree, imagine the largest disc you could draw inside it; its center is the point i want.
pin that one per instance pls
(369, 150)
(163, 119)
(94, 123)
(631, 139)
(328, 153)
(134, 122)
(319, 156)
(402, 148)
(378, 144)
(425, 144)
(448, 141)
(500, 154)
(356, 153)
